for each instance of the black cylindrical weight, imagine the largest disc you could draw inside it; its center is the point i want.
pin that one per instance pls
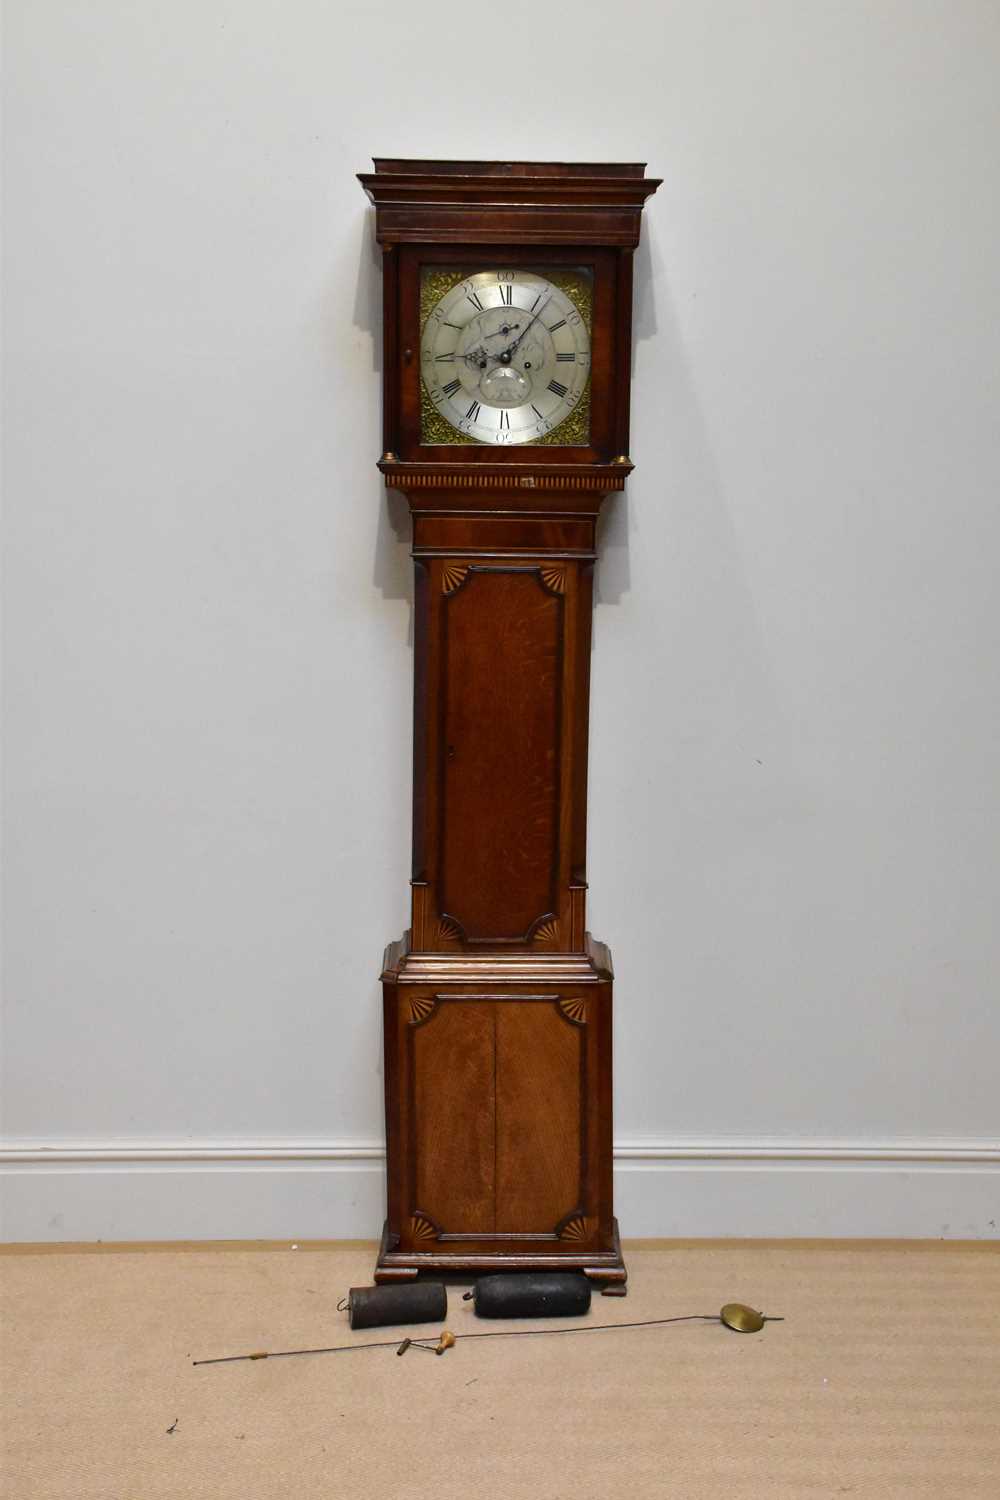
(532, 1294)
(378, 1306)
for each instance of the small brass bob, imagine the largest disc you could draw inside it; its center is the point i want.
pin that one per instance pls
(742, 1319)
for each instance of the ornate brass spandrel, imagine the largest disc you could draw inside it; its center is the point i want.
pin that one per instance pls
(435, 283)
(434, 430)
(579, 288)
(575, 431)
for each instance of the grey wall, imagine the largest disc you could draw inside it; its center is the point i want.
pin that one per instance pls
(794, 830)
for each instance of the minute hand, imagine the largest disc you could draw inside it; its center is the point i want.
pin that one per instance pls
(511, 347)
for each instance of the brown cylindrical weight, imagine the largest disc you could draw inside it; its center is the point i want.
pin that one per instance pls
(532, 1294)
(416, 1302)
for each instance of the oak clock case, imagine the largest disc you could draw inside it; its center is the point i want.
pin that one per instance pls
(507, 307)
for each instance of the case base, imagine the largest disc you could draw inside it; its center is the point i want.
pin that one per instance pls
(605, 1268)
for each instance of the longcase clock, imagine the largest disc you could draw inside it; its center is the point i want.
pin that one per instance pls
(507, 343)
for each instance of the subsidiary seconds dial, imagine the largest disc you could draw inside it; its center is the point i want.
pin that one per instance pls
(505, 356)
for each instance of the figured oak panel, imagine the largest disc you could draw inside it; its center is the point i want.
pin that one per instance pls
(500, 750)
(454, 1173)
(540, 1102)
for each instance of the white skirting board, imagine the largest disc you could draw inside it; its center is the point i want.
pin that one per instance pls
(288, 1191)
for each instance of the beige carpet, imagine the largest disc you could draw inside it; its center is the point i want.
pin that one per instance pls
(883, 1382)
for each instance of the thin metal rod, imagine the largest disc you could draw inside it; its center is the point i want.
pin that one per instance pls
(517, 1333)
(508, 1333)
(228, 1359)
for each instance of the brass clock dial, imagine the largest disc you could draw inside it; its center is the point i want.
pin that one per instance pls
(505, 357)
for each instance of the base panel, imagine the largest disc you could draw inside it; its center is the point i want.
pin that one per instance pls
(604, 1267)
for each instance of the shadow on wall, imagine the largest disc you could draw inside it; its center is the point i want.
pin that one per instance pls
(736, 794)
(393, 574)
(613, 576)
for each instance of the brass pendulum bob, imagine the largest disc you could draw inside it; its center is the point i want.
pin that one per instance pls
(742, 1319)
